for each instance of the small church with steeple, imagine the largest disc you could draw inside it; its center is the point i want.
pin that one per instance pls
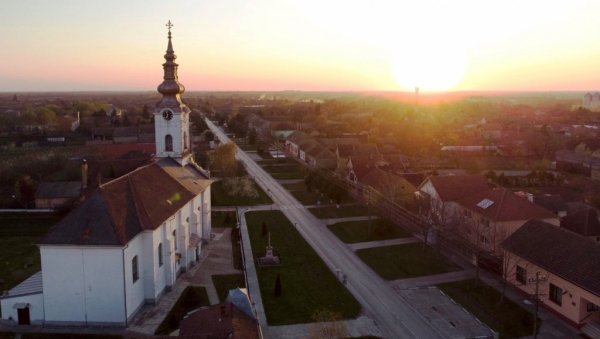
(127, 243)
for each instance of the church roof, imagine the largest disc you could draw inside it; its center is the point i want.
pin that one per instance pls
(122, 208)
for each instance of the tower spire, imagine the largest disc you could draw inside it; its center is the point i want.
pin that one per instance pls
(170, 88)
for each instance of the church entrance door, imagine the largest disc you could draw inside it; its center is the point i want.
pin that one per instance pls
(23, 314)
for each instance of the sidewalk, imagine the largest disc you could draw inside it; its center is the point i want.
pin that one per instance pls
(382, 243)
(431, 280)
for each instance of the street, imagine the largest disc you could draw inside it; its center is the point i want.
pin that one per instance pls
(395, 317)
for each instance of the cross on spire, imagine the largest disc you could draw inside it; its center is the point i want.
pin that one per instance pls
(169, 25)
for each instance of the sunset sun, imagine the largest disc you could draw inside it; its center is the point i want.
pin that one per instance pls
(431, 67)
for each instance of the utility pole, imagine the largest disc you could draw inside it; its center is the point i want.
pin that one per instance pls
(537, 304)
(536, 296)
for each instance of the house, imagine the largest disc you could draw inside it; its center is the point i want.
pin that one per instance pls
(438, 194)
(552, 202)
(232, 319)
(57, 194)
(584, 222)
(126, 244)
(561, 265)
(391, 186)
(486, 218)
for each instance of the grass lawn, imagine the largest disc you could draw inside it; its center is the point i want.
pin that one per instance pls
(225, 282)
(342, 212)
(405, 261)
(223, 218)
(220, 198)
(191, 298)
(247, 147)
(280, 168)
(509, 319)
(299, 174)
(297, 186)
(271, 161)
(236, 249)
(19, 256)
(307, 284)
(365, 230)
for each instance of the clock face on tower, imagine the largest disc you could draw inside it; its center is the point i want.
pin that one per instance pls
(167, 115)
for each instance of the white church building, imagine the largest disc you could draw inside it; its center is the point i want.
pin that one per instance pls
(126, 244)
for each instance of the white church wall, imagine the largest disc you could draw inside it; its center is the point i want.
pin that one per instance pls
(149, 263)
(134, 290)
(82, 284)
(206, 210)
(164, 127)
(160, 274)
(36, 307)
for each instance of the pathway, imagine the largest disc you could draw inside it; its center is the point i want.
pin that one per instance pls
(431, 280)
(382, 243)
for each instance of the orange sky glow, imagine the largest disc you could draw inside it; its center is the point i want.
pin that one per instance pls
(461, 45)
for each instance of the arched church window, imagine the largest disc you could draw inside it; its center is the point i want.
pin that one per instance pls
(168, 143)
(185, 141)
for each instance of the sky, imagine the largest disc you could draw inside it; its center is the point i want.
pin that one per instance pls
(312, 45)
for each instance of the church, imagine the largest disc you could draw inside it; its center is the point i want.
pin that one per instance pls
(125, 245)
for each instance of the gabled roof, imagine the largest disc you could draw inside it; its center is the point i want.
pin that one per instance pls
(120, 209)
(559, 251)
(62, 189)
(584, 222)
(454, 187)
(501, 204)
(297, 137)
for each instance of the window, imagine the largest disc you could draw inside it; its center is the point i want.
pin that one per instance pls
(185, 141)
(160, 255)
(591, 307)
(484, 240)
(556, 294)
(168, 143)
(134, 269)
(521, 275)
(175, 239)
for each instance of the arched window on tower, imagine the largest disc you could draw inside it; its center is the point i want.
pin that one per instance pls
(168, 143)
(185, 141)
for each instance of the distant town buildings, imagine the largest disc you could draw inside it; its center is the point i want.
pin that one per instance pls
(591, 101)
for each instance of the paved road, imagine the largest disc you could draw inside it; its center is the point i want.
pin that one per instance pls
(395, 317)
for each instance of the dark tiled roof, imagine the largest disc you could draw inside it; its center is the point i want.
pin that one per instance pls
(566, 254)
(454, 187)
(220, 321)
(584, 222)
(554, 203)
(120, 209)
(505, 206)
(63, 189)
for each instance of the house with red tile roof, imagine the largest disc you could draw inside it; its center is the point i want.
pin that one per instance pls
(563, 266)
(126, 244)
(486, 218)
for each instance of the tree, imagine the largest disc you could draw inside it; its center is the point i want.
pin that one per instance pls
(24, 190)
(328, 325)
(265, 230)
(277, 290)
(223, 160)
(240, 186)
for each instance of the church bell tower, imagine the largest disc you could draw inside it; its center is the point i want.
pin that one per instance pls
(171, 115)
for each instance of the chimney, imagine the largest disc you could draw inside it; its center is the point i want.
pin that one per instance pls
(84, 174)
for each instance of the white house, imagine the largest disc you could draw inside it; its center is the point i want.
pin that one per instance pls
(125, 245)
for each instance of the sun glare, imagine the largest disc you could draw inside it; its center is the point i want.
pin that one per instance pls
(431, 68)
